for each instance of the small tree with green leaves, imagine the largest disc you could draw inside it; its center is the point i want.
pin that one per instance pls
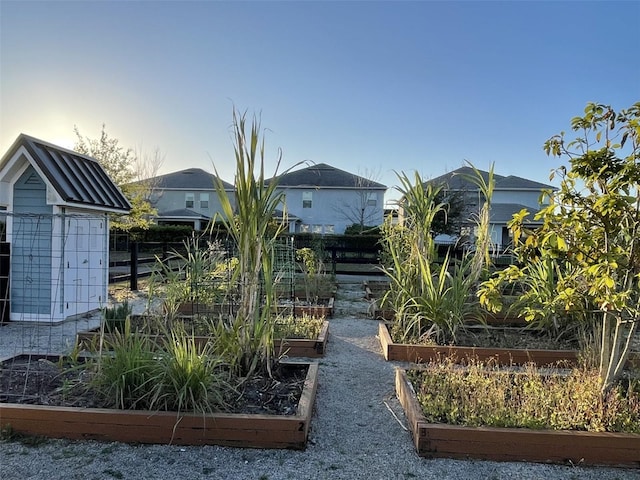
(591, 228)
(123, 166)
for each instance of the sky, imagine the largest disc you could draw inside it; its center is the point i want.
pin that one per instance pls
(378, 89)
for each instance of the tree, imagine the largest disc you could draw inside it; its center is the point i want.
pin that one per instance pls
(364, 210)
(591, 229)
(124, 167)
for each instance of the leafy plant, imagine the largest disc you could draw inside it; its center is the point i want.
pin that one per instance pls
(251, 226)
(290, 326)
(123, 378)
(316, 280)
(190, 376)
(431, 297)
(486, 395)
(115, 317)
(200, 275)
(590, 233)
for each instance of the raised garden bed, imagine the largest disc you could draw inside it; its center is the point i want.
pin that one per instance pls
(416, 353)
(292, 347)
(133, 426)
(302, 347)
(191, 308)
(503, 356)
(514, 444)
(319, 308)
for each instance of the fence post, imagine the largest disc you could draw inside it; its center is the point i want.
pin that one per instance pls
(133, 280)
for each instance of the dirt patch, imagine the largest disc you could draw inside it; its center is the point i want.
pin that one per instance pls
(47, 381)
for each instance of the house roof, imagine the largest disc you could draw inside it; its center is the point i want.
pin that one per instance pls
(182, 213)
(188, 179)
(76, 178)
(323, 175)
(457, 180)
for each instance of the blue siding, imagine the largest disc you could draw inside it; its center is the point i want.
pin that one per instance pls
(31, 246)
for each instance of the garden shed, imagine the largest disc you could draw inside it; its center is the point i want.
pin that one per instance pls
(56, 205)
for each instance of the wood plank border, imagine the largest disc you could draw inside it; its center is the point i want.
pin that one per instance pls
(514, 444)
(301, 347)
(235, 430)
(503, 356)
(401, 352)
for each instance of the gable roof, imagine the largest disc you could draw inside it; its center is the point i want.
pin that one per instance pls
(188, 179)
(323, 175)
(456, 180)
(76, 178)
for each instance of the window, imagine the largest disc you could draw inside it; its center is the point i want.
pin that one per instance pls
(204, 200)
(330, 229)
(189, 200)
(304, 228)
(307, 199)
(372, 199)
(317, 229)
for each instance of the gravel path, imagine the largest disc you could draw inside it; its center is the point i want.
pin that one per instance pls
(357, 432)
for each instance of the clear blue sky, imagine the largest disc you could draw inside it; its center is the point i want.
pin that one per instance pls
(368, 87)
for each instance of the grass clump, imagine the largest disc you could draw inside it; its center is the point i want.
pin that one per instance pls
(481, 394)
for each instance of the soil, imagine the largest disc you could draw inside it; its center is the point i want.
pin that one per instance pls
(41, 380)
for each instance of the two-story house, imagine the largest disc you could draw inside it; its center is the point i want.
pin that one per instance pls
(326, 200)
(511, 194)
(317, 199)
(186, 197)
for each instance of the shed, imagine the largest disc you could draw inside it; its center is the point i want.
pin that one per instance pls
(56, 205)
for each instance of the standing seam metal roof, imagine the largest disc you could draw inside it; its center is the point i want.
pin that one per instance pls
(76, 178)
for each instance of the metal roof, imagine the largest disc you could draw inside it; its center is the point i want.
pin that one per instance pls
(78, 179)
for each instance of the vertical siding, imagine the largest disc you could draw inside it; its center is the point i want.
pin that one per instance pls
(31, 246)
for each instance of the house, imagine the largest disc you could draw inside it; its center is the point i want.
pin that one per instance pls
(56, 205)
(186, 197)
(326, 200)
(318, 199)
(511, 194)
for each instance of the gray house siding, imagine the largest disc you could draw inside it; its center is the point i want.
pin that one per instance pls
(31, 246)
(169, 200)
(332, 210)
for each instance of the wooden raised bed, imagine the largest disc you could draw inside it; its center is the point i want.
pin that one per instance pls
(191, 308)
(322, 308)
(503, 356)
(131, 426)
(514, 444)
(293, 347)
(413, 353)
(301, 347)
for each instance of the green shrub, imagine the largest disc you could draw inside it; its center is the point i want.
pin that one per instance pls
(485, 395)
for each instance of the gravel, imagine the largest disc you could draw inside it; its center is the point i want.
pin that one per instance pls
(358, 431)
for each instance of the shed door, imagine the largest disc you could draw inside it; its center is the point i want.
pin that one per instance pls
(31, 246)
(85, 253)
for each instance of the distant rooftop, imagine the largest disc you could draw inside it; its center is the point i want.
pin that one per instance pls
(323, 175)
(189, 179)
(457, 180)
